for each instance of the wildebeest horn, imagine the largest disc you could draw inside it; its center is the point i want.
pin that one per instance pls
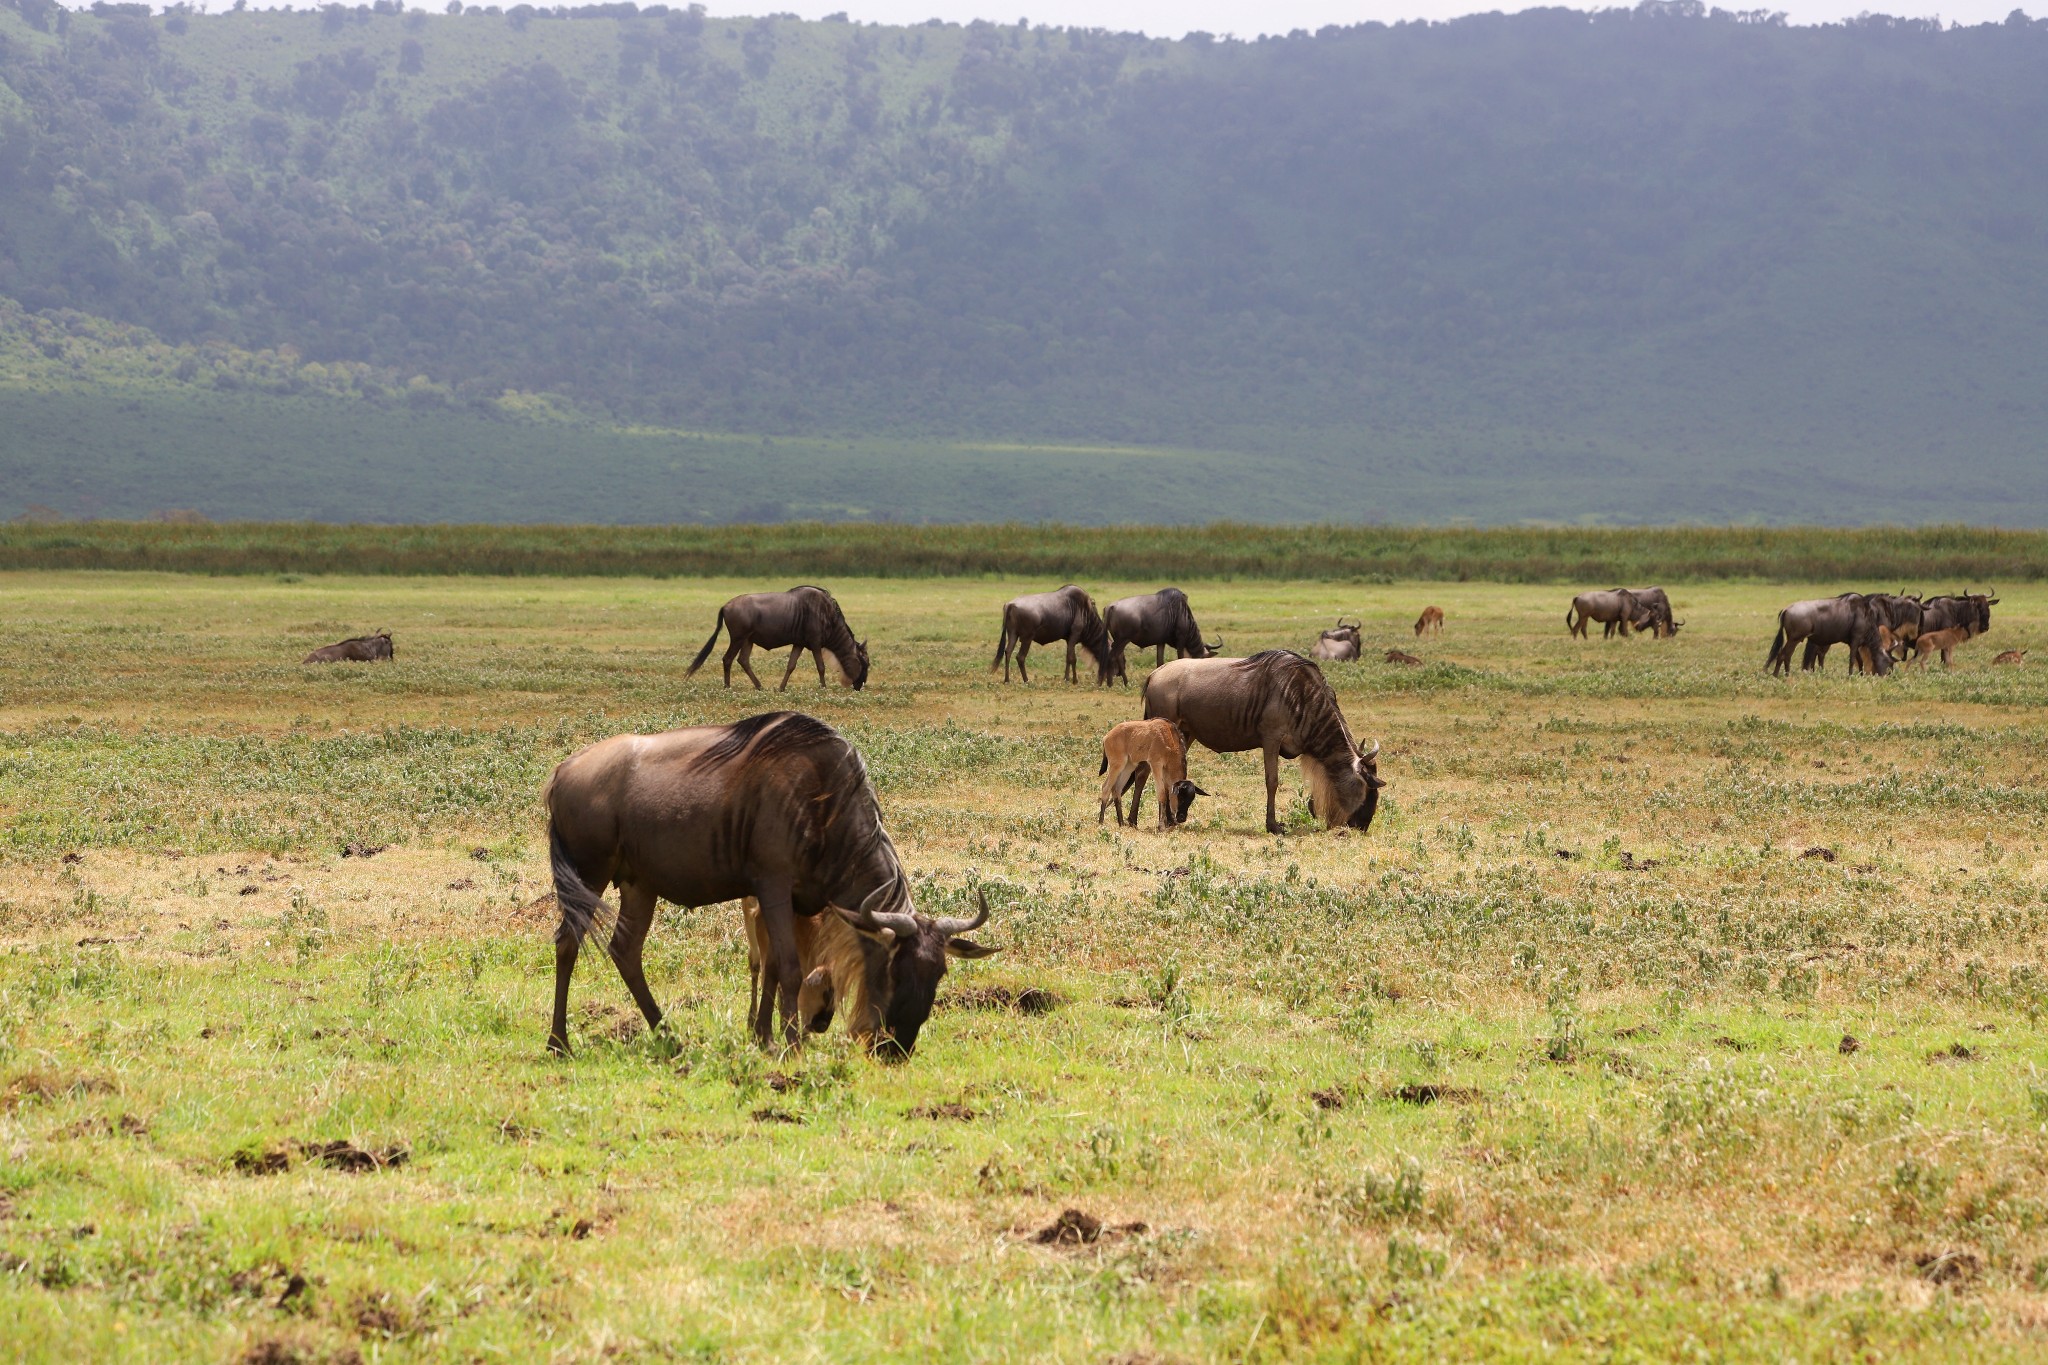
(1372, 754)
(955, 925)
(897, 922)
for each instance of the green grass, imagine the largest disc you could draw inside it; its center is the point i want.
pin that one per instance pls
(1646, 1143)
(1933, 560)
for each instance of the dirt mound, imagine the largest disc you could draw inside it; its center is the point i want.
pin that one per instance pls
(1029, 1000)
(1077, 1227)
(951, 1109)
(1429, 1093)
(338, 1155)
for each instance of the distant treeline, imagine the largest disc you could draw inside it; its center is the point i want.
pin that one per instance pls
(1933, 558)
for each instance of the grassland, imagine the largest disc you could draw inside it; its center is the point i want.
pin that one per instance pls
(1439, 1090)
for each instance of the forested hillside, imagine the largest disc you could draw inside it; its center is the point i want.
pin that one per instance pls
(1645, 265)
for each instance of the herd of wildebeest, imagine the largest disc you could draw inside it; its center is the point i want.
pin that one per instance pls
(776, 811)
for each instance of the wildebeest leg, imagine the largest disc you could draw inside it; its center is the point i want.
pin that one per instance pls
(1137, 791)
(781, 976)
(636, 916)
(747, 665)
(567, 942)
(1273, 825)
(1023, 648)
(1159, 656)
(734, 644)
(818, 658)
(796, 653)
(1073, 673)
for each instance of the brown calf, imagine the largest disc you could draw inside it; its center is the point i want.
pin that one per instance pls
(2011, 656)
(1395, 656)
(1942, 641)
(1432, 618)
(815, 937)
(1135, 750)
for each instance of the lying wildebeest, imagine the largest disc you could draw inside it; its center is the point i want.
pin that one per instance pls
(1614, 609)
(777, 807)
(1042, 618)
(1156, 620)
(806, 617)
(1853, 619)
(1432, 618)
(1341, 645)
(362, 649)
(1135, 750)
(1278, 702)
(2011, 656)
(1401, 656)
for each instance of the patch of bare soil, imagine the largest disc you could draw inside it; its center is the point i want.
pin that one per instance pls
(1826, 855)
(1848, 1044)
(1732, 1044)
(1333, 1098)
(1430, 1093)
(355, 849)
(1029, 1000)
(1949, 1269)
(282, 1351)
(338, 1155)
(1631, 863)
(951, 1109)
(776, 1116)
(99, 1125)
(1954, 1052)
(1077, 1227)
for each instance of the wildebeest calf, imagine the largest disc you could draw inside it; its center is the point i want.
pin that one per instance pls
(1432, 618)
(362, 649)
(1942, 642)
(2011, 656)
(1140, 748)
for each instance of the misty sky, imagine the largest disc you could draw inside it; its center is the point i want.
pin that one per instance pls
(1244, 18)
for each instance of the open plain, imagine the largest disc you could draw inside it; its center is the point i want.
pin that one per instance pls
(1667, 1011)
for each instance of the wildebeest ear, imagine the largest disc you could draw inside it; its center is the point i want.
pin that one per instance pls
(1198, 791)
(968, 948)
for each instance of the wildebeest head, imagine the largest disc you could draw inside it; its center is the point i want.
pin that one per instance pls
(1206, 649)
(1184, 794)
(858, 670)
(1367, 767)
(904, 958)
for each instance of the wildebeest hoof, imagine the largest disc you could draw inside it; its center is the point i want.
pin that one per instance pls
(558, 1047)
(1275, 827)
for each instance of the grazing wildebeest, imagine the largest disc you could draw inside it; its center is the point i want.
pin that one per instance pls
(1898, 616)
(1854, 619)
(1432, 618)
(1341, 645)
(362, 649)
(1614, 609)
(777, 807)
(1278, 702)
(1042, 618)
(806, 617)
(1401, 656)
(1652, 614)
(2011, 656)
(1156, 620)
(1135, 750)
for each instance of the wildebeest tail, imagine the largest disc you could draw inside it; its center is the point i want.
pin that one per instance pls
(705, 652)
(1104, 769)
(1777, 643)
(1002, 642)
(584, 912)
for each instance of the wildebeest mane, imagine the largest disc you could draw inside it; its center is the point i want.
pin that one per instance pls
(825, 623)
(1181, 631)
(1319, 727)
(779, 733)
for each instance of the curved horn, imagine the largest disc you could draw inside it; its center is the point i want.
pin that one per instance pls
(899, 922)
(955, 925)
(1370, 754)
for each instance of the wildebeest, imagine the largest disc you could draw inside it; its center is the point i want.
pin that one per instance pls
(1136, 749)
(1156, 620)
(1653, 613)
(816, 998)
(2011, 656)
(1279, 702)
(1853, 618)
(777, 807)
(1863, 622)
(1432, 618)
(1067, 614)
(1959, 609)
(806, 617)
(362, 649)
(1402, 656)
(1341, 645)
(1614, 609)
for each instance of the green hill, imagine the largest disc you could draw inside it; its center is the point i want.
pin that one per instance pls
(613, 264)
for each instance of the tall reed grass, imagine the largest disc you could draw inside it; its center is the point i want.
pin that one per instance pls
(1939, 557)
